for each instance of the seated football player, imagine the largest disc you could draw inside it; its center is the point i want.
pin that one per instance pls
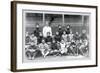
(40, 38)
(83, 35)
(63, 48)
(33, 38)
(44, 48)
(49, 45)
(72, 48)
(64, 36)
(68, 29)
(60, 30)
(57, 37)
(54, 48)
(83, 48)
(37, 30)
(48, 38)
(27, 38)
(76, 36)
(86, 47)
(31, 51)
(71, 36)
(68, 40)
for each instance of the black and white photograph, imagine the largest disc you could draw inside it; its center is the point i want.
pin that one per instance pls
(53, 36)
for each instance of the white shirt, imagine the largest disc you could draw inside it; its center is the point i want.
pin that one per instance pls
(47, 29)
(63, 48)
(62, 45)
(71, 36)
(64, 36)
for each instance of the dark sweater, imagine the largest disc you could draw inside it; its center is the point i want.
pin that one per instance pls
(57, 38)
(68, 31)
(36, 32)
(48, 39)
(40, 39)
(60, 32)
(54, 46)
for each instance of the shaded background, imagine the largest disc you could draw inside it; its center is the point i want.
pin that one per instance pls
(77, 22)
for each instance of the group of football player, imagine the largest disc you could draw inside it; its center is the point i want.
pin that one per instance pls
(63, 43)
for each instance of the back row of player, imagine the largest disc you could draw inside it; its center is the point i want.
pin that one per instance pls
(66, 35)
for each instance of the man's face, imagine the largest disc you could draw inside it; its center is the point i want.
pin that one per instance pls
(26, 33)
(43, 41)
(68, 26)
(37, 26)
(62, 41)
(64, 32)
(77, 33)
(40, 34)
(83, 31)
(53, 41)
(59, 26)
(47, 23)
(57, 33)
(32, 35)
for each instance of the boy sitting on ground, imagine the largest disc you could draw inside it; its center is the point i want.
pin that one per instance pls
(44, 48)
(54, 48)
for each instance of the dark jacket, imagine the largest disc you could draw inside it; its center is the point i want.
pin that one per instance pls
(57, 38)
(40, 39)
(48, 39)
(54, 46)
(67, 30)
(60, 32)
(36, 32)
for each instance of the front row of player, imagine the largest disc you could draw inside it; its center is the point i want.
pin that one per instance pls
(74, 47)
